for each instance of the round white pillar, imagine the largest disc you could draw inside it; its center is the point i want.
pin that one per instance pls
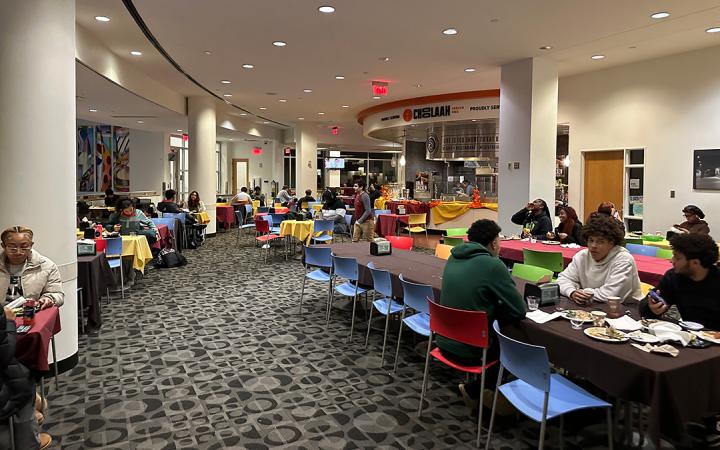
(305, 161)
(37, 140)
(202, 136)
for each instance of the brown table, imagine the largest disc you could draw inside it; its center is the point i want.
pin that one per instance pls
(31, 348)
(677, 390)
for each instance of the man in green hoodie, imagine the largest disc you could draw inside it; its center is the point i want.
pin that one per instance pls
(476, 280)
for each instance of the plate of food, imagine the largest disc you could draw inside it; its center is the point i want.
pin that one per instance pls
(577, 314)
(645, 338)
(692, 326)
(710, 336)
(664, 326)
(551, 242)
(606, 334)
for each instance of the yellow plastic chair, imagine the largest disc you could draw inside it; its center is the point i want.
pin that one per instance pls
(255, 206)
(645, 288)
(304, 205)
(277, 205)
(443, 251)
(416, 224)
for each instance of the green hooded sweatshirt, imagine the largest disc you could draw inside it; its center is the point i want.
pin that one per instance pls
(476, 280)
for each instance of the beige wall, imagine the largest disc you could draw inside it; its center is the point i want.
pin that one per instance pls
(669, 106)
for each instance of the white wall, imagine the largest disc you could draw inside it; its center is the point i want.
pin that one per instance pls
(669, 106)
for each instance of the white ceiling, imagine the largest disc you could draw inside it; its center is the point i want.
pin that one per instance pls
(350, 42)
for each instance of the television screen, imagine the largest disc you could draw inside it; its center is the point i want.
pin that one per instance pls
(706, 169)
(334, 163)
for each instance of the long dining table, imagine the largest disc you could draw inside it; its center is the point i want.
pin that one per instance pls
(677, 390)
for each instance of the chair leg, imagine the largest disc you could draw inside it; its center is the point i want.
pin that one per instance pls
(122, 280)
(397, 350)
(543, 424)
(387, 325)
(302, 292)
(492, 411)
(480, 402)
(562, 426)
(425, 375)
(82, 310)
(610, 427)
(367, 334)
(329, 306)
(55, 362)
(352, 320)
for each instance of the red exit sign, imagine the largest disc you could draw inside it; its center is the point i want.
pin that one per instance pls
(380, 88)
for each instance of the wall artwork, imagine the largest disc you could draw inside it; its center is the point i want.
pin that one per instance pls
(121, 159)
(103, 156)
(706, 169)
(85, 160)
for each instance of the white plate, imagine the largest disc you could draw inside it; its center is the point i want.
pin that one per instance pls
(565, 316)
(692, 326)
(665, 326)
(645, 338)
(551, 242)
(602, 337)
(704, 337)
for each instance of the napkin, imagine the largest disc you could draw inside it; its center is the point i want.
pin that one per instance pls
(662, 349)
(571, 245)
(678, 336)
(538, 316)
(625, 323)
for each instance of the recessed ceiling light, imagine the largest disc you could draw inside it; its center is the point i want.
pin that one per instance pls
(326, 9)
(321, 113)
(136, 53)
(279, 44)
(262, 108)
(376, 98)
(470, 69)
(232, 139)
(307, 91)
(227, 102)
(282, 100)
(140, 121)
(248, 66)
(225, 81)
(208, 52)
(339, 77)
(301, 118)
(243, 114)
(384, 58)
(345, 106)
(92, 110)
(713, 30)
(179, 130)
(266, 122)
(418, 85)
(227, 95)
(660, 15)
(474, 120)
(102, 18)
(450, 31)
(546, 47)
(597, 57)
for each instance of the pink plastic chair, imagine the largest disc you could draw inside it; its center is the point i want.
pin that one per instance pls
(400, 242)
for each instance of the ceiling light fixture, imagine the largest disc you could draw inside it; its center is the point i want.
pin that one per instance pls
(208, 52)
(418, 85)
(248, 66)
(140, 121)
(307, 91)
(596, 57)
(279, 44)
(262, 108)
(384, 58)
(546, 47)
(225, 81)
(179, 130)
(227, 95)
(282, 100)
(326, 9)
(345, 106)
(321, 113)
(92, 110)
(660, 15)
(713, 30)
(470, 69)
(136, 53)
(301, 118)
(102, 18)
(376, 98)
(450, 31)
(339, 77)
(266, 122)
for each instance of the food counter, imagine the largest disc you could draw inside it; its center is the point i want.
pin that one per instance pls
(443, 215)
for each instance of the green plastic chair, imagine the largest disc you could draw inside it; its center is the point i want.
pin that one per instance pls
(456, 231)
(453, 241)
(548, 260)
(530, 273)
(637, 241)
(664, 253)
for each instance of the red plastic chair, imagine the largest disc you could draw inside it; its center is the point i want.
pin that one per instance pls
(468, 327)
(262, 228)
(400, 242)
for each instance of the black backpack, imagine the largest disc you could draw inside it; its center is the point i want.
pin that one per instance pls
(169, 258)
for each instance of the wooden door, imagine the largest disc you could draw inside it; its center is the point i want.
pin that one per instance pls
(603, 180)
(240, 179)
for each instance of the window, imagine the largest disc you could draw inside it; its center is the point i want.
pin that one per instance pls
(289, 167)
(218, 168)
(178, 157)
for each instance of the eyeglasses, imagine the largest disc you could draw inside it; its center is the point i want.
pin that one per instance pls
(16, 249)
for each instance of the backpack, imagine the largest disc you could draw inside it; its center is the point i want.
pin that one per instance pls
(169, 258)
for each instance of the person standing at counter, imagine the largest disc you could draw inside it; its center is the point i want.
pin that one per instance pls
(374, 192)
(535, 219)
(569, 231)
(364, 215)
(693, 221)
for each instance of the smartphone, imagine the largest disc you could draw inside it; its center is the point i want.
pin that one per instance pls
(656, 297)
(23, 329)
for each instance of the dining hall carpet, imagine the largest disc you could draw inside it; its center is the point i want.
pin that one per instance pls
(215, 355)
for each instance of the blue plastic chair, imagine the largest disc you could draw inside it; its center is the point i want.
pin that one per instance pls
(382, 284)
(321, 257)
(647, 250)
(170, 223)
(414, 296)
(181, 217)
(269, 219)
(348, 269)
(113, 254)
(538, 393)
(325, 227)
(242, 225)
(263, 209)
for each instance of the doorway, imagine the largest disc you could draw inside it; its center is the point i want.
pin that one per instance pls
(603, 179)
(240, 174)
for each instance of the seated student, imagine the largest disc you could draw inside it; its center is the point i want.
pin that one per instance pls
(168, 205)
(693, 221)
(334, 209)
(307, 199)
(604, 269)
(125, 214)
(608, 209)
(242, 197)
(569, 231)
(110, 198)
(194, 204)
(475, 279)
(535, 219)
(258, 195)
(284, 197)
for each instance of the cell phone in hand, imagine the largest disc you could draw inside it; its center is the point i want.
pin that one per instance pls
(656, 297)
(22, 329)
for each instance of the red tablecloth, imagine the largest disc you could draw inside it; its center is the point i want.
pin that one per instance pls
(281, 210)
(347, 199)
(650, 269)
(410, 208)
(165, 240)
(386, 224)
(31, 348)
(225, 215)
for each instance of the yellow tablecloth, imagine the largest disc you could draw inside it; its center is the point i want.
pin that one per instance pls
(660, 244)
(447, 211)
(222, 204)
(202, 217)
(138, 248)
(300, 229)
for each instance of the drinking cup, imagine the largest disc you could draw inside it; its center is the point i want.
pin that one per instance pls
(533, 302)
(614, 307)
(576, 323)
(598, 318)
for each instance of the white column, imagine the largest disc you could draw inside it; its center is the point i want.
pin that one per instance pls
(528, 134)
(305, 161)
(202, 137)
(37, 140)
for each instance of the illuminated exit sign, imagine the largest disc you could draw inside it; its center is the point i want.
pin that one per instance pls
(380, 88)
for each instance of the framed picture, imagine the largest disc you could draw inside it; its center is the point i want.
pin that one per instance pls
(706, 169)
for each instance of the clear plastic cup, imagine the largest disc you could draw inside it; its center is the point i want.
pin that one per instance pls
(533, 302)
(576, 324)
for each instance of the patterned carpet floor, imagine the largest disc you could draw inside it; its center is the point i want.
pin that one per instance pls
(215, 355)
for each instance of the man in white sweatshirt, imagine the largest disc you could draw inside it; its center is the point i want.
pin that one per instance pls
(605, 269)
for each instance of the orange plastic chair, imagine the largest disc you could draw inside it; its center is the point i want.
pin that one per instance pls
(443, 251)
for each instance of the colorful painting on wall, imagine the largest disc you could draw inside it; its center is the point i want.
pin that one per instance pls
(121, 159)
(103, 156)
(85, 159)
